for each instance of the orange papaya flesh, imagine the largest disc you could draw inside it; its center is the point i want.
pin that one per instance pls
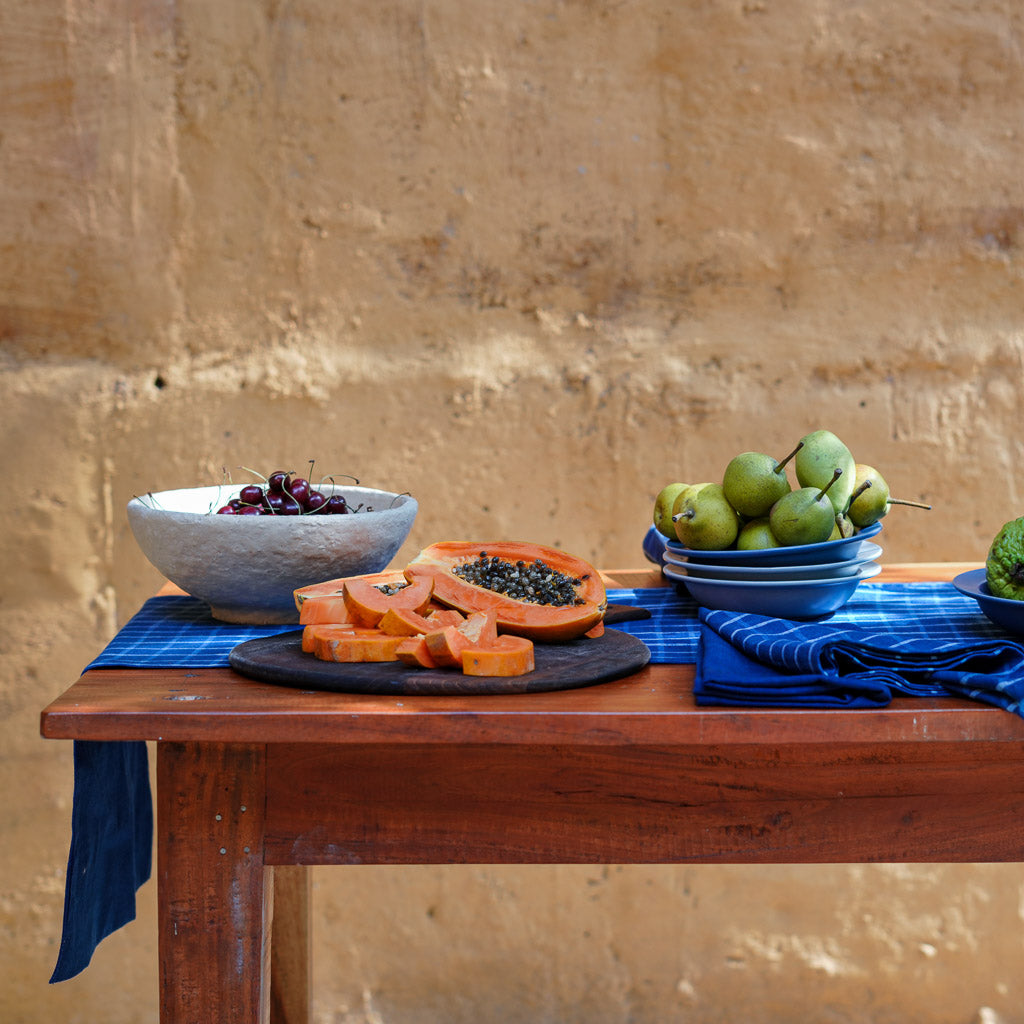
(395, 577)
(446, 644)
(329, 631)
(568, 596)
(324, 608)
(357, 646)
(594, 632)
(413, 651)
(405, 622)
(507, 655)
(367, 600)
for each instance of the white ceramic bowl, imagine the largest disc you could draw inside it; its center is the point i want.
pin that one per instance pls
(785, 599)
(247, 567)
(812, 571)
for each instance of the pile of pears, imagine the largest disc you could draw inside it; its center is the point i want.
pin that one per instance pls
(756, 507)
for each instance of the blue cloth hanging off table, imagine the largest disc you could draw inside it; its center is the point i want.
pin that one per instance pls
(111, 848)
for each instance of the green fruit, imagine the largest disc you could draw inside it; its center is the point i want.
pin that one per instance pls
(843, 528)
(753, 482)
(804, 516)
(821, 454)
(705, 520)
(870, 500)
(663, 509)
(1004, 567)
(756, 536)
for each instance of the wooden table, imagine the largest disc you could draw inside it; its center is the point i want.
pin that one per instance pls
(254, 782)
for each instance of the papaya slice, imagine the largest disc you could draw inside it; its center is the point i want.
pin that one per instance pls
(446, 644)
(505, 656)
(413, 651)
(319, 631)
(336, 587)
(367, 599)
(356, 645)
(324, 609)
(541, 593)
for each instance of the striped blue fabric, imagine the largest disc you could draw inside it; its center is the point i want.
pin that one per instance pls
(918, 639)
(177, 632)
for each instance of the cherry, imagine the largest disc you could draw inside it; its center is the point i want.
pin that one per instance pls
(336, 505)
(298, 487)
(249, 510)
(275, 482)
(252, 494)
(225, 510)
(273, 502)
(289, 506)
(316, 501)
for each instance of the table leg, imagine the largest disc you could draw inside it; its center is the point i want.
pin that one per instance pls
(215, 895)
(290, 948)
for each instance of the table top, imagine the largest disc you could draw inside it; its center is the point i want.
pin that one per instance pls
(653, 706)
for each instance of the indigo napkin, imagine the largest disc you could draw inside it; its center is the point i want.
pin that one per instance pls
(111, 848)
(757, 660)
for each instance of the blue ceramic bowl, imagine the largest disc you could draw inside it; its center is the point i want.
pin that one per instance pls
(1001, 610)
(813, 571)
(799, 554)
(784, 599)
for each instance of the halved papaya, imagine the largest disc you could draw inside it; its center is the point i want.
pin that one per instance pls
(534, 591)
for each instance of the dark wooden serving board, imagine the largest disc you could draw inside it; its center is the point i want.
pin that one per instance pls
(280, 660)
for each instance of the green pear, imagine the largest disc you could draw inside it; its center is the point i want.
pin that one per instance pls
(663, 509)
(756, 535)
(843, 528)
(870, 500)
(805, 516)
(691, 490)
(820, 454)
(705, 520)
(753, 482)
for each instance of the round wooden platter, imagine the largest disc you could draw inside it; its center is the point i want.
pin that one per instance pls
(280, 660)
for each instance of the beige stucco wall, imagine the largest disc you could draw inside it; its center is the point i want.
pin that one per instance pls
(529, 261)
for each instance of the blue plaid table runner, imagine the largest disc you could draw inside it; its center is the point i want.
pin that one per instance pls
(921, 639)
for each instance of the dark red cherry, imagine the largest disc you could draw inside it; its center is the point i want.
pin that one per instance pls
(316, 501)
(251, 494)
(336, 505)
(249, 510)
(289, 506)
(226, 510)
(298, 487)
(275, 482)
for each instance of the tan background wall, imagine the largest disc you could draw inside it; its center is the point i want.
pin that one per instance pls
(529, 261)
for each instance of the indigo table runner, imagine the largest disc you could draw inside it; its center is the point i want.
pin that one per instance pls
(921, 639)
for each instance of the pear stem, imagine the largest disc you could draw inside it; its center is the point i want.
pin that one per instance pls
(912, 504)
(836, 474)
(857, 493)
(780, 466)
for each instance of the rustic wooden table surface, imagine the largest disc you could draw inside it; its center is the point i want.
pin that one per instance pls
(255, 782)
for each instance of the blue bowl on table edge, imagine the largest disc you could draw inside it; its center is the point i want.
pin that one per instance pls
(783, 599)
(796, 554)
(1003, 611)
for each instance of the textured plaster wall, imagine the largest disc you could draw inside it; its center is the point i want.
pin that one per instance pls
(529, 261)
